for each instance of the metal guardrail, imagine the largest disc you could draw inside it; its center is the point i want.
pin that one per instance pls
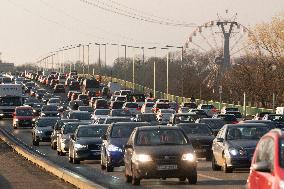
(139, 88)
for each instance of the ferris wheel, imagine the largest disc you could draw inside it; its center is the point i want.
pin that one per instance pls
(225, 39)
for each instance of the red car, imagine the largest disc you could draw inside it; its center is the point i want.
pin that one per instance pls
(267, 168)
(23, 117)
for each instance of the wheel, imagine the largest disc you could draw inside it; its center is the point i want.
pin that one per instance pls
(70, 159)
(128, 178)
(227, 169)
(209, 156)
(75, 161)
(192, 178)
(35, 142)
(182, 179)
(109, 168)
(135, 181)
(15, 127)
(215, 167)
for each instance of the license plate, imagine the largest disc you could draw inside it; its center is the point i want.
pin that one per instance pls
(166, 167)
(200, 150)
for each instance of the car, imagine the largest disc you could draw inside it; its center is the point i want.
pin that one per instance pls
(54, 101)
(63, 137)
(234, 145)
(69, 95)
(86, 108)
(174, 106)
(132, 107)
(189, 105)
(200, 113)
(43, 129)
(208, 108)
(267, 163)
(82, 116)
(162, 100)
(260, 115)
(49, 111)
(159, 152)
(46, 97)
(183, 118)
(59, 88)
(101, 104)
(120, 113)
(214, 123)
(125, 92)
(147, 117)
(147, 107)
(86, 143)
(278, 119)
(201, 137)
(113, 141)
(225, 110)
(84, 99)
(75, 104)
(75, 95)
(40, 93)
(56, 130)
(23, 117)
(120, 98)
(269, 123)
(164, 115)
(160, 105)
(93, 100)
(74, 85)
(228, 118)
(99, 113)
(116, 105)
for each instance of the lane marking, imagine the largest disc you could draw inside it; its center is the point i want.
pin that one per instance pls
(206, 176)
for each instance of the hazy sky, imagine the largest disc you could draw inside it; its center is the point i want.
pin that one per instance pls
(32, 28)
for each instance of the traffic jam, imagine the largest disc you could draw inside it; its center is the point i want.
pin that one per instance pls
(82, 119)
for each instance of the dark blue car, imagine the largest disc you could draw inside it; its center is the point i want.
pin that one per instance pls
(117, 135)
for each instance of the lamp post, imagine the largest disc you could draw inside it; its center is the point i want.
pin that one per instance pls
(166, 48)
(182, 75)
(114, 44)
(79, 51)
(100, 67)
(154, 69)
(125, 48)
(88, 57)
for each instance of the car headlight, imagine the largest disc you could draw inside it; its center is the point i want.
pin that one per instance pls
(281, 184)
(142, 158)
(39, 131)
(188, 157)
(80, 146)
(33, 119)
(16, 120)
(113, 148)
(34, 111)
(234, 152)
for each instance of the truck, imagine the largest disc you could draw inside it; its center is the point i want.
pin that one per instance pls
(11, 96)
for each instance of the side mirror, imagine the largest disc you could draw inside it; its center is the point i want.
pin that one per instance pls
(127, 146)
(262, 166)
(220, 140)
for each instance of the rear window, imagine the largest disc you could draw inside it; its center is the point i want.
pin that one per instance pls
(214, 123)
(131, 105)
(207, 107)
(149, 105)
(163, 106)
(232, 109)
(96, 132)
(122, 131)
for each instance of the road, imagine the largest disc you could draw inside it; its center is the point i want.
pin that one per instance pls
(16, 172)
(91, 169)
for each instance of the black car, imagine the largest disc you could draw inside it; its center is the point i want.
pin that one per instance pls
(86, 143)
(159, 152)
(234, 145)
(120, 113)
(59, 88)
(214, 123)
(201, 137)
(278, 119)
(147, 117)
(228, 118)
(269, 123)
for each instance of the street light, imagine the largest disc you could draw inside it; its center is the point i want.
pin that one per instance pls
(182, 75)
(100, 67)
(125, 64)
(154, 79)
(167, 69)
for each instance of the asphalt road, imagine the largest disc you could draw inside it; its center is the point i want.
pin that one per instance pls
(91, 169)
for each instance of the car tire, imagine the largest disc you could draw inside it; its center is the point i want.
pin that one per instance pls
(109, 168)
(182, 179)
(215, 167)
(76, 161)
(227, 169)
(70, 159)
(35, 142)
(135, 181)
(15, 127)
(128, 178)
(209, 156)
(192, 178)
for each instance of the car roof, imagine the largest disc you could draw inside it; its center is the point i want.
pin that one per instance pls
(157, 127)
(246, 124)
(24, 107)
(130, 123)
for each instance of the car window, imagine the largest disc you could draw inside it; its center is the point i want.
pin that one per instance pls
(246, 132)
(160, 137)
(46, 122)
(196, 129)
(97, 131)
(24, 112)
(121, 131)
(265, 151)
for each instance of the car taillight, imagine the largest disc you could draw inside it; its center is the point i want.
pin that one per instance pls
(138, 108)
(214, 110)
(235, 122)
(126, 109)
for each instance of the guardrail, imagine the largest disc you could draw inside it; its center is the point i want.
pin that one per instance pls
(139, 88)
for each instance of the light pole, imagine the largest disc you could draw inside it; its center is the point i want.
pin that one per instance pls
(114, 44)
(182, 75)
(79, 51)
(83, 63)
(105, 54)
(88, 60)
(167, 70)
(100, 67)
(154, 79)
(125, 48)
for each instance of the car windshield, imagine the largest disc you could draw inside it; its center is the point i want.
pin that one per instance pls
(228, 117)
(163, 106)
(115, 120)
(80, 116)
(131, 105)
(196, 129)
(46, 122)
(10, 101)
(148, 117)
(83, 97)
(54, 100)
(246, 132)
(167, 111)
(160, 137)
(49, 108)
(207, 107)
(120, 112)
(69, 128)
(184, 119)
(102, 112)
(97, 131)
(24, 112)
(279, 118)
(121, 98)
(150, 105)
(214, 123)
(122, 131)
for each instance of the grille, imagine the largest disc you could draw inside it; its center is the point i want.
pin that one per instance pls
(166, 159)
(48, 133)
(250, 151)
(94, 147)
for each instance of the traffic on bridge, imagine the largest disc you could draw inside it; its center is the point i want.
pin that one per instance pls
(131, 94)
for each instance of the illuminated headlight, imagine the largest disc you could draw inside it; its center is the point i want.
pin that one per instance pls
(34, 111)
(1, 114)
(281, 184)
(80, 146)
(188, 157)
(142, 158)
(33, 119)
(58, 114)
(113, 148)
(39, 132)
(16, 120)
(235, 152)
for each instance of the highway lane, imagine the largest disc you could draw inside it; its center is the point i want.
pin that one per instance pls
(91, 169)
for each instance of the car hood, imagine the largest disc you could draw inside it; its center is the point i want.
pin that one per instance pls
(160, 150)
(48, 128)
(200, 138)
(242, 143)
(119, 142)
(24, 117)
(88, 140)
